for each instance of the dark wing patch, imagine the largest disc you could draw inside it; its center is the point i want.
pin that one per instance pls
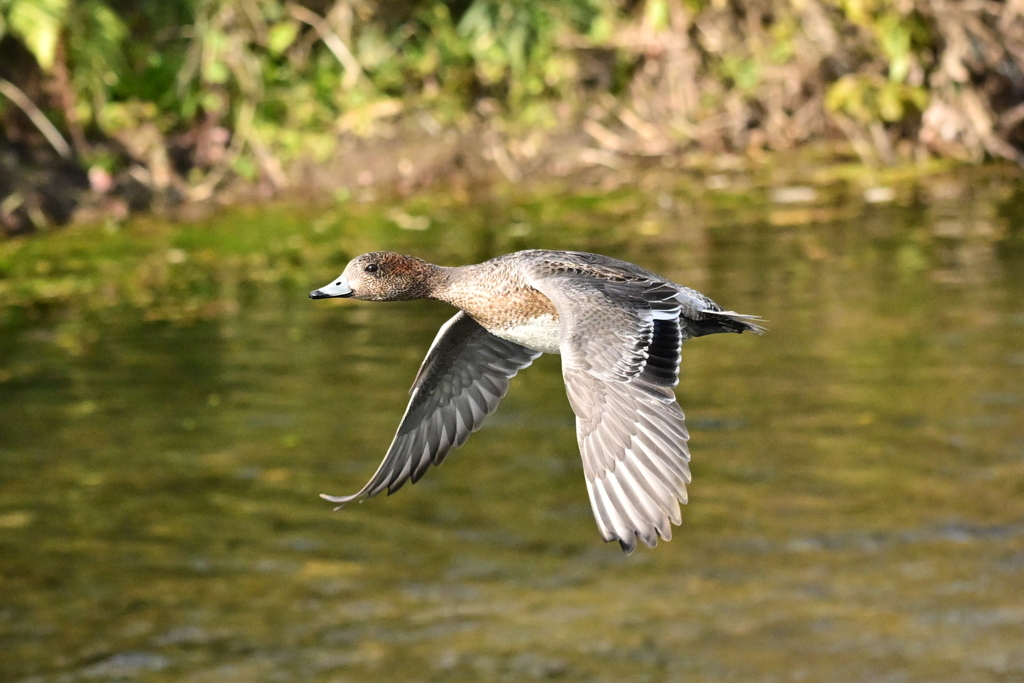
(663, 352)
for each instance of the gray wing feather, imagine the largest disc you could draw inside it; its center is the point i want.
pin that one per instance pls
(621, 333)
(462, 379)
(637, 467)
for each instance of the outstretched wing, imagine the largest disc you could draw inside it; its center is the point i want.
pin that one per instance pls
(635, 458)
(621, 333)
(462, 379)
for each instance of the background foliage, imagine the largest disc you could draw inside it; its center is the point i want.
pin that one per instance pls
(179, 95)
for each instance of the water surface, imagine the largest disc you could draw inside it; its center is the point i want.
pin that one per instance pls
(172, 404)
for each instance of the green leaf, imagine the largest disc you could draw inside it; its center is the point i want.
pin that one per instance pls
(212, 100)
(216, 71)
(601, 29)
(890, 102)
(244, 167)
(281, 36)
(95, 37)
(38, 23)
(918, 96)
(894, 38)
(657, 14)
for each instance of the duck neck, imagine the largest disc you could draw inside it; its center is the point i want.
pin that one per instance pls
(441, 281)
(453, 286)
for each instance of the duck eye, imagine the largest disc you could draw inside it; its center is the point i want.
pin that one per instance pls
(372, 268)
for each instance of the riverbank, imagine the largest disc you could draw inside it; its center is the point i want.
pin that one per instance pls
(415, 155)
(108, 110)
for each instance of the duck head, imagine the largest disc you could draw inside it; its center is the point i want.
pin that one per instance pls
(380, 276)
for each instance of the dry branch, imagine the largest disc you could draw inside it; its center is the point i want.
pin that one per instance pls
(38, 119)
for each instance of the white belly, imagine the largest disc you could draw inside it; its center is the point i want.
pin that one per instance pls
(540, 334)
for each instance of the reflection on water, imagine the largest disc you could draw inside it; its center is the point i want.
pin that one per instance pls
(172, 404)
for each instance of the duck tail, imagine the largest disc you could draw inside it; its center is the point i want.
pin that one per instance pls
(714, 322)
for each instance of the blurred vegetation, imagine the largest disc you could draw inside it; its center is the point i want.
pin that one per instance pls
(173, 98)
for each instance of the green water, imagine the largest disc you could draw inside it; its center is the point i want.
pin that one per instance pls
(171, 404)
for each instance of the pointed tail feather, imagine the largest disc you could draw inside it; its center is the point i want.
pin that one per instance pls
(715, 322)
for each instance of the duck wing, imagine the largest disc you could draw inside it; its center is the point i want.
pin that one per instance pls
(620, 346)
(465, 374)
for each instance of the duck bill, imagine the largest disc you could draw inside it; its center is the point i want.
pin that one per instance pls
(338, 289)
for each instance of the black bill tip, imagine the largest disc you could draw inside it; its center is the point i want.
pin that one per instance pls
(319, 294)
